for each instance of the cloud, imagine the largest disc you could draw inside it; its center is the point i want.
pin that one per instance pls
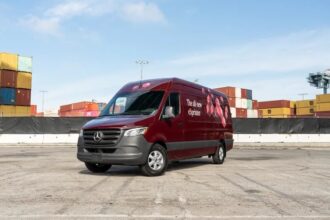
(53, 18)
(295, 51)
(142, 12)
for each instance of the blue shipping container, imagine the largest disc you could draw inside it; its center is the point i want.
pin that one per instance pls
(249, 94)
(7, 96)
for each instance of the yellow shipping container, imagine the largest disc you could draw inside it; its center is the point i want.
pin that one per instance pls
(305, 103)
(7, 111)
(22, 111)
(305, 111)
(276, 111)
(323, 98)
(322, 107)
(292, 104)
(8, 61)
(24, 80)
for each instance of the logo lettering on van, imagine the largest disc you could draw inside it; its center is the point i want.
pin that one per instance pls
(193, 104)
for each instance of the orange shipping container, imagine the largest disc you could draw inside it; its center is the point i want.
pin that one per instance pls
(228, 90)
(33, 110)
(274, 104)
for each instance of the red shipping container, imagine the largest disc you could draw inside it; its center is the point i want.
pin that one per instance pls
(23, 97)
(8, 79)
(243, 93)
(33, 110)
(254, 104)
(232, 102)
(241, 113)
(322, 114)
(65, 108)
(228, 91)
(274, 104)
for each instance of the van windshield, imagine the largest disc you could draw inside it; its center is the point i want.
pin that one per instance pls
(137, 103)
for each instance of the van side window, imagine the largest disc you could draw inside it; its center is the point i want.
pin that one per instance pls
(174, 101)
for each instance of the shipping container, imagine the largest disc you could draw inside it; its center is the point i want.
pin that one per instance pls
(22, 111)
(244, 103)
(24, 64)
(238, 93)
(243, 94)
(238, 102)
(249, 94)
(8, 61)
(8, 79)
(249, 104)
(322, 114)
(24, 80)
(232, 102)
(322, 107)
(23, 97)
(241, 113)
(292, 104)
(323, 98)
(7, 111)
(252, 113)
(228, 91)
(274, 104)
(304, 111)
(7, 96)
(233, 112)
(304, 103)
(276, 111)
(34, 110)
(255, 104)
(65, 108)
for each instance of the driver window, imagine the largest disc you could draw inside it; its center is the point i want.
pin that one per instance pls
(174, 101)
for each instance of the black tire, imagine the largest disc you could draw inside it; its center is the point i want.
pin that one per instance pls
(220, 155)
(154, 169)
(97, 167)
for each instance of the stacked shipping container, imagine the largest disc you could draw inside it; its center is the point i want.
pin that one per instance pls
(305, 108)
(276, 109)
(240, 101)
(15, 85)
(322, 105)
(79, 109)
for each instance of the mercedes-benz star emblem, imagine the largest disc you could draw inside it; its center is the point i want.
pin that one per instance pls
(98, 136)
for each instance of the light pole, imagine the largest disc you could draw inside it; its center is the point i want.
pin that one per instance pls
(43, 99)
(141, 63)
(303, 95)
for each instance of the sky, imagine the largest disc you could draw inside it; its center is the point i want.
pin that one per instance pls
(86, 49)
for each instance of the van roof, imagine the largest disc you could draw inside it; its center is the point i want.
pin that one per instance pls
(163, 81)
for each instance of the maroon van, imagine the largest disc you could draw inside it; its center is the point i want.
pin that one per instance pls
(150, 123)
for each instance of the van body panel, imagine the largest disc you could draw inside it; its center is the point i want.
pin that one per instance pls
(202, 121)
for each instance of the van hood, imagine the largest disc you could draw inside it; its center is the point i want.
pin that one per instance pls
(118, 122)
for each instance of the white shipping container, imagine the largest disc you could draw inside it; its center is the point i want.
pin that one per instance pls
(233, 112)
(238, 102)
(25, 64)
(238, 93)
(252, 113)
(244, 103)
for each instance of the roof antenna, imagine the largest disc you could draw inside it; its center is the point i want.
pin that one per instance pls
(141, 63)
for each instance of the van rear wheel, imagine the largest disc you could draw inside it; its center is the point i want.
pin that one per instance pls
(156, 162)
(97, 167)
(220, 155)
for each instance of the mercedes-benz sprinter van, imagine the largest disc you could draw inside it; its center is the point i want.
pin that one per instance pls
(150, 123)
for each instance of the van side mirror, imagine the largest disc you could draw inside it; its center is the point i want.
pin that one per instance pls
(169, 112)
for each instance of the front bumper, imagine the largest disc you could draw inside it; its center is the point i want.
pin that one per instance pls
(128, 151)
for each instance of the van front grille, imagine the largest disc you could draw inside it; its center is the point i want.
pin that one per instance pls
(106, 137)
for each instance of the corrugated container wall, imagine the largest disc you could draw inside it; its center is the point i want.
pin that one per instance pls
(23, 97)
(24, 64)
(8, 79)
(8, 61)
(24, 80)
(7, 111)
(22, 111)
(7, 96)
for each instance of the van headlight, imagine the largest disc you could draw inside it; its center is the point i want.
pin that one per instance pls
(81, 133)
(135, 132)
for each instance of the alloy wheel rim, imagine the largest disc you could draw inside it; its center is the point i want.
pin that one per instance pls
(221, 154)
(156, 160)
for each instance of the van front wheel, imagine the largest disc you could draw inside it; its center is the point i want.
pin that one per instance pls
(220, 155)
(156, 162)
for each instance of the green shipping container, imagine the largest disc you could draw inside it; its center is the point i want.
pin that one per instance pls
(25, 64)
